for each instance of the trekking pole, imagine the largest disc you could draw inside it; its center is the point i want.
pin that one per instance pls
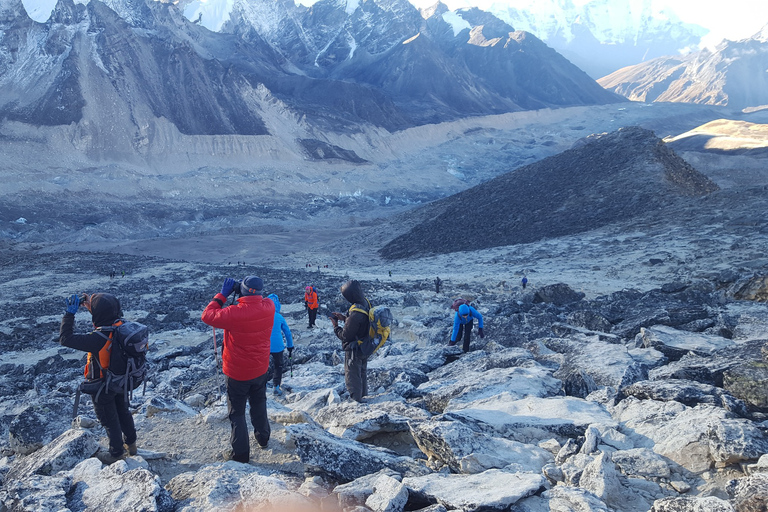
(216, 357)
(77, 403)
(290, 358)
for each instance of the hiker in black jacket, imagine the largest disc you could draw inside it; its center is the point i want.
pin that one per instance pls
(111, 408)
(355, 328)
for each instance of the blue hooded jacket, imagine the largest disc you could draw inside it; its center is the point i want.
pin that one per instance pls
(459, 320)
(279, 328)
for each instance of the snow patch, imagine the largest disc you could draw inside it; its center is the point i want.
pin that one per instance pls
(456, 22)
(213, 14)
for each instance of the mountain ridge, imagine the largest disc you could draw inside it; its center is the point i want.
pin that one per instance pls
(732, 74)
(608, 179)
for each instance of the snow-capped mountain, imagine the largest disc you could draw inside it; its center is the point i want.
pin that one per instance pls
(123, 71)
(603, 35)
(734, 74)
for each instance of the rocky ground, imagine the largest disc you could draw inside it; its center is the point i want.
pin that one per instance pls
(628, 376)
(630, 400)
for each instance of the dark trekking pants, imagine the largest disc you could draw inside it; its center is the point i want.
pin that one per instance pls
(356, 374)
(277, 367)
(253, 392)
(113, 414)
(465, 330)
(312, 316)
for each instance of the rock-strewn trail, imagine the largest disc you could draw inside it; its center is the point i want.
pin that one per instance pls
(628, 401)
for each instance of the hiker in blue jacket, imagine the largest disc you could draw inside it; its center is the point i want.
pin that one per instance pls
(462, 325)
(279, 328)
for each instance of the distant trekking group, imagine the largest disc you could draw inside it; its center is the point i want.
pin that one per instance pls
(254, 334)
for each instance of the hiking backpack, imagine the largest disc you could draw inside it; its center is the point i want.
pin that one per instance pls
(128, 356)
(458, 302)
(379, 325)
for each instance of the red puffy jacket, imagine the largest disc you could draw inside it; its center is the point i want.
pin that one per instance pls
(247, 328)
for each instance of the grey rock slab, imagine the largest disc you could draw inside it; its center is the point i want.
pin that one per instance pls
(694, 437)
(458, 391)
(751, 493)
(38, 424)
(491, 490)
(62, 454)
(607, 364)
(467, 451)
(389, 495)
(687, 392)
(352, 420)
(675, 343)
(641, 462)
(564, 498)
(231, 486)
(691, 504)
(345, 459)
(124, 486)
(36, 493)
(532, 419)
(355, 493)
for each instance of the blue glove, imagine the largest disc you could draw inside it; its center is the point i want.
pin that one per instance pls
(73, 303)
(227, 287)
(290, 351)
(480, 332)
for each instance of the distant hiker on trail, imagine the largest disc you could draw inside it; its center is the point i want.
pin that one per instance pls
(462, 325)
(524, 281)
(355, 328)
(390, 273)
(247, 328)
(111, 408)
(279, 328)
(312, 305)
(438, 282)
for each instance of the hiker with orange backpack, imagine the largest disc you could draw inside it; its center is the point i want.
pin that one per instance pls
(463, 321)
(111, 407)
(312, 304)
(247, 328)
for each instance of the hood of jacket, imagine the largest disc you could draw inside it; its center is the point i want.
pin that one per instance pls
(105, 309)
(353, 291)
(274, 299)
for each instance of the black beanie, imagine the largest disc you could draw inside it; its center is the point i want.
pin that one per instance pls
(252, 285)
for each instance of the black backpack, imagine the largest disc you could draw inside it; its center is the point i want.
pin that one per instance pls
(128, 356)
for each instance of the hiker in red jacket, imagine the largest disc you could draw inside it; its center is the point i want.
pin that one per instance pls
(247, 328)
(312, 304)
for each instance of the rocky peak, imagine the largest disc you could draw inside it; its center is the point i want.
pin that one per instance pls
(609, 178)
(11, 10)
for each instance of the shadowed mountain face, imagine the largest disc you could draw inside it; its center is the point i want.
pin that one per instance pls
(733, 75)
(128, 63)
(616, 177)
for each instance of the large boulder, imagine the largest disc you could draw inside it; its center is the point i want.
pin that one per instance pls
(691, 504)
(491, 490)
(38, 424)
(63, 453)
(345, 459)
(36, 493)
(532, 419)
(472, 378)
(352, 420)
(751, 493)
(675, 343)
(467, 451)
(230, 486)
(749, 382)
(694, 437)
(124, 486)
(687, 392)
